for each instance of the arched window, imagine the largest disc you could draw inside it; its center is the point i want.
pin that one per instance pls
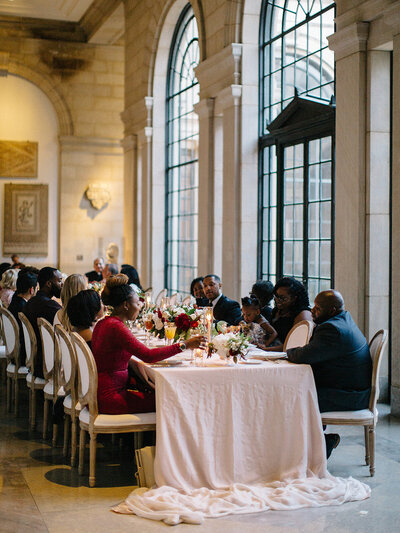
(296, 142)
(182, 156)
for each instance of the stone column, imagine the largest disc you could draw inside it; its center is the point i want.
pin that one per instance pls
(129, 145)
(350, 45)
(206, 203)
(228, 102)
(378, 199)
(395, 300)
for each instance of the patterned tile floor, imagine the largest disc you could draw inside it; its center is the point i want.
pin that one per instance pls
(39, 492)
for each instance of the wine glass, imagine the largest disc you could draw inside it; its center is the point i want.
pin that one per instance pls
(170, 330)
(148, 324)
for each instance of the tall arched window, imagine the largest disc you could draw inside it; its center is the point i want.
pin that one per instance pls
(296, 142)
(182, 156)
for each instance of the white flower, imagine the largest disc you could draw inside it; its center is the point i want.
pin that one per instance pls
(158, 323)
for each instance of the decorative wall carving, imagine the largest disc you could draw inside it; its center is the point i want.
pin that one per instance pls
(98, 195)
(25, 219)
(18, 159)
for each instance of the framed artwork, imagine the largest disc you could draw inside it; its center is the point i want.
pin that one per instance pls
(18, 159)
(25, 219)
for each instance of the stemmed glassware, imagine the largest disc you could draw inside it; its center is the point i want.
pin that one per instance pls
(170, 330)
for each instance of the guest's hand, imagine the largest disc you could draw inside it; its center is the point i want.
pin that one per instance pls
(198, 341)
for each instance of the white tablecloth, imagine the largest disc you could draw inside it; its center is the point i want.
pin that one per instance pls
(235, 440)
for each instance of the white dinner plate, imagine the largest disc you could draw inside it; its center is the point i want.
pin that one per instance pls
(166, 362)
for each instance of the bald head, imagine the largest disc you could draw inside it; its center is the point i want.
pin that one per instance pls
(327, 304)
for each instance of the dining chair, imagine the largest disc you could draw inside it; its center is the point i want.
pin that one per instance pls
(51, 390)
(187, 300)
(33, 382)
(14, 370)
(69, 381)
(161, 294)
(365, 417)
(89, 418)
(173, 299)
(299, 335)
(3, 356)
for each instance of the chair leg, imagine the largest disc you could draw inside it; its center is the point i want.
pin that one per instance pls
(45, 417)
(33, 415)
(55, 434)
(372, 450)
(8, 394)
(73, 440)
(366, 439)
(16, 402)
(66, 435)
(92, 460)
(138, 440)
(82, 439)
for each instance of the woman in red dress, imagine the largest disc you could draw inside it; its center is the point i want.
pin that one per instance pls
(112, 347)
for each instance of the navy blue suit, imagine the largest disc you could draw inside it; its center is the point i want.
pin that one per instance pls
(339, 356)
(227, 310)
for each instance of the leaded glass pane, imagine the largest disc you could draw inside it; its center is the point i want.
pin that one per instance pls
(182, 156)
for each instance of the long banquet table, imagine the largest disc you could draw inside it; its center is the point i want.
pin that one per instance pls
(237, 439)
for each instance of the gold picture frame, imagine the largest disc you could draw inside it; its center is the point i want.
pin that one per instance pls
(25, 219)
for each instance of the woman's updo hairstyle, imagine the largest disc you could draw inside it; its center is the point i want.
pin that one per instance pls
(117, 290)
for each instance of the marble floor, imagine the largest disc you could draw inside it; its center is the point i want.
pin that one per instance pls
(39, 492)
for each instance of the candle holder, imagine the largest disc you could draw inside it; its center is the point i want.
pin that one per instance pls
(209, 316)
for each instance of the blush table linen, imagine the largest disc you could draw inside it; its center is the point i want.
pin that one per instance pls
(237, 439)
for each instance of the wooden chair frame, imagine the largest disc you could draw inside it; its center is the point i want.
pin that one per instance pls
(13, 357)
(50, 373)
(310, 326)
(70, 386)
(370, 417)
(31, 351)
(89, 399)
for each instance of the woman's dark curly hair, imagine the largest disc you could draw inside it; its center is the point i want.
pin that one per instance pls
(297, 289)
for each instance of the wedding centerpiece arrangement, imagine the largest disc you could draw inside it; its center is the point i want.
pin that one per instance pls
(230, 345)
(185, 318)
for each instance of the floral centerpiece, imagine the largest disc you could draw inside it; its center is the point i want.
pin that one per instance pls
(231, 344)
(186, 319)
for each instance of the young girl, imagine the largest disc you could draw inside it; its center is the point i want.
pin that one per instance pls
(255, 325)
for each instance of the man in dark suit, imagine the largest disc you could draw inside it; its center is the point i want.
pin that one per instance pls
(224, 308)
(339, 356)
(42, 305)
(26, 289)
(97, 273)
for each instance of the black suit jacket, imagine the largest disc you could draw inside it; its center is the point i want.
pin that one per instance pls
(339, 356)
(40, 306)
(94, 276)
(228, 310)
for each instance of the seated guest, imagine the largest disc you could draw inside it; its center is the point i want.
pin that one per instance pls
(291, 306)
(26, 289)
(96, 273)
(43, 305)
(8, 284)
(224, 308)
(132, 273)
(197, 291)
(110, 269)
(83, 311)
(112, 346)
(339, 357)
(263, 290)
(71, 286)
(259, 330)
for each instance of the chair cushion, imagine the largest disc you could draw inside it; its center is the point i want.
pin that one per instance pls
(22, 370)
(48, 389)
(68, 403)
(2, 352)
(38, 381)
(357, 417)
(120, 421)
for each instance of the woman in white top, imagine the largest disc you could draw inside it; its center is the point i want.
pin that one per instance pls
(8, 285)
(72, 285)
